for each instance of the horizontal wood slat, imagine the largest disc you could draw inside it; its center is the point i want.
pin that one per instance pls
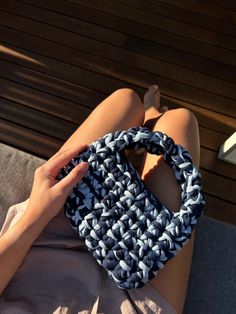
(220, 209)
(153, 51)
(140, 78)
(42, 82)
(181, 14)
(164, 37)
(112, 29)
(36, 120)
(205, 9)
(156, 66)
(216, 185)
(210, 162)
(30, 141)
(90, 98)
(38, 100)
(229, 4)
(157, 21)
(163, 23)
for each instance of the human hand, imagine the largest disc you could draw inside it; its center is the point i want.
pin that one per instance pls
(48, 195)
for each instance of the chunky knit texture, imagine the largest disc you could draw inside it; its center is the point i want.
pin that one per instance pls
(127, 229)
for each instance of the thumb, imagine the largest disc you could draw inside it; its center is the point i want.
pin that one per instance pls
(74, 177)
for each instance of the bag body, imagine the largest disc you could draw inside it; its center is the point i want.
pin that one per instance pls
(127, 229)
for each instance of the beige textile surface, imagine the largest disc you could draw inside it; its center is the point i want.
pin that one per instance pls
(16, 177)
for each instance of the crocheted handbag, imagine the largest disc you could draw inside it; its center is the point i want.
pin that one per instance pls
(127, 229)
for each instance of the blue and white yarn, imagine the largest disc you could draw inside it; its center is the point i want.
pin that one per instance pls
(127, 229)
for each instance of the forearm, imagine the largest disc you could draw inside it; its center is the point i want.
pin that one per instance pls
(47, 198)
(15, 243)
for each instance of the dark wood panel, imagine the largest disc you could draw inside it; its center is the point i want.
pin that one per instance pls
(229, 4)
(137, 45)
(60, 67)
(89, 97)
(82, 60)
(36, 120)
(140, 78)
(205, 9)
(210, 162)
(30, 141)
(198, 64)
(159, 67)
(156, 21)
(220, 209)
(165, 37)
(61, 21)
(211, 139)
(43, 82)
(43, 11)
(156, 66)
(160, 36)
(217, 185)
(181, 14)
(76, 74)
(57, 65)
(208, 139)
(163, 52)
(43, 102)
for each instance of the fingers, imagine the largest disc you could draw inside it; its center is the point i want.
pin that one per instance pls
(67, 183)
(62, 151)
(61, 159)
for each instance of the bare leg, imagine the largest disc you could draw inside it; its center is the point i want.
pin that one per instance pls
(171, 281)
(121, 110)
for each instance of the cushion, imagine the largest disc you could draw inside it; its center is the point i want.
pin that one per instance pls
(212, 284)
(16, 177)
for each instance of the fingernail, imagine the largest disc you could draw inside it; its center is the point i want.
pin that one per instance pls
(84, 166)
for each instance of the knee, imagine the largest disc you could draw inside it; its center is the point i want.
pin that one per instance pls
(129, 97)
(130, 102)
(184, 115)
(128, 93)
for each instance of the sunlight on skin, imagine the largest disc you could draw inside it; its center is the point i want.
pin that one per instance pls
(16, 54)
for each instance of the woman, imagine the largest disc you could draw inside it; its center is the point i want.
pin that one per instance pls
(45, 268)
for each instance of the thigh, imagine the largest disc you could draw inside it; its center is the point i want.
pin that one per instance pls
(121, 110)
(180, 124)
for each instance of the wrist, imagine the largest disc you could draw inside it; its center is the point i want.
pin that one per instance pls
(33, 223)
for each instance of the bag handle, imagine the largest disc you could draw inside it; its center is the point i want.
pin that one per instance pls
(157, 143)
